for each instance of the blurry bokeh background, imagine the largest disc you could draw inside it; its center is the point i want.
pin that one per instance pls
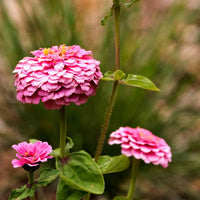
(159, 39)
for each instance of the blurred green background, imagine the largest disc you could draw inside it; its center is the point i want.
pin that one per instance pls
(159, 39)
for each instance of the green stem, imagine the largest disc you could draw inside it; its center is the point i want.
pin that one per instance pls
(31, 182)
(63, 131)
(116, 7)
(135, 166)
(31, 178)
(106, 121)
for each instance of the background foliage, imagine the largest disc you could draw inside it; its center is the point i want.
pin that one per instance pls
(160, 40)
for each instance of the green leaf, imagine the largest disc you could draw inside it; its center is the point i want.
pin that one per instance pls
(118, 75)
(22, 193)
(108, 76)
(46, 177)
(112, 76)
(122, 198)
(64, 192)
(33, 141)
(131, 80)
(139, 81)
(104, 19)
(109, 164)
(69, 145)
(129, 4)
(80, 171)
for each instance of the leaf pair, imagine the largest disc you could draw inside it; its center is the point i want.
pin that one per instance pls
(46, 177)
(131, 80)
(80, 174)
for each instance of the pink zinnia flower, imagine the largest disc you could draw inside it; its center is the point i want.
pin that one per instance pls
(31, 154)
(57, 76)
(142, 144)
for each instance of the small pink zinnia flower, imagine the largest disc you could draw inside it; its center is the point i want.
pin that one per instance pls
(31, 154)
(142, 144)
(57, 76)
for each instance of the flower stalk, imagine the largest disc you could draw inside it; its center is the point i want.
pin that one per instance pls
(134, 170)
(31, 178)
(31, 182)
(116, 7)
(106, 121)
(63, 131)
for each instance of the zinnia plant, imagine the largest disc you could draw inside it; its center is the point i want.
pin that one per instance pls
(141, 144)
(30, 155)
(61, 75)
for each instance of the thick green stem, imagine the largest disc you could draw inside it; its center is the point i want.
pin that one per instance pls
(31, 182)
(135, 166)
(116, 6)
(31, 178)
(106, 121)
(63, 131)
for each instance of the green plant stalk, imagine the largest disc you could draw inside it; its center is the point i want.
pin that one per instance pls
(116, 7)
(106, 121)
(134, 170)
(63, 131)
(31, 182)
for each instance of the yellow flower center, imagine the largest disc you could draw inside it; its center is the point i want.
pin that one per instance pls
(46, 51)
(62, 50)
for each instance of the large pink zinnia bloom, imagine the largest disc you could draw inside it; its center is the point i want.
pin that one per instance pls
(57, 76)
(31, 154)
(142, 144)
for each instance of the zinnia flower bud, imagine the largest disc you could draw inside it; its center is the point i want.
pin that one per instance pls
(142, 144)
(30, 155)
(57, 76)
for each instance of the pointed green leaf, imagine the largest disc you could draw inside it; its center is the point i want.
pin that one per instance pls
(64, 192)
(139, 81)
(108, 76)
(122, 198)
(22, 193)
(104, 19)
(118, 75)
(46, 177)
(131, 80)
(70, 143)
(80, 171)
(109, 164)
(112, 76)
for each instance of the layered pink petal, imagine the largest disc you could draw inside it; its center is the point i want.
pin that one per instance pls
(31, 154)
(57, 76)
(142, 144)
